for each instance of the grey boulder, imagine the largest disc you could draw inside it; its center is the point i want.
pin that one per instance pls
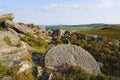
(72, 55)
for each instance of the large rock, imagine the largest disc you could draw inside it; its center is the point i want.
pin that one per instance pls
(72, 55)
(8, 39)
(11, 56)
(13, 52)
(59, 32)
(3, 18)
(11, 48)
(17, 27)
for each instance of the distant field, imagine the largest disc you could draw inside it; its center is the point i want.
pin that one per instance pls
(112, 34)
(75, 28)
(109, 31)
(72, 29)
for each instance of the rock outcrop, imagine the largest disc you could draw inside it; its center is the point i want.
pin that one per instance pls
(15, 51)
(71, 55)
(25, 29)
(59, 32)
(12, 50)
(7, 39)
(3, 18)
(17, 27)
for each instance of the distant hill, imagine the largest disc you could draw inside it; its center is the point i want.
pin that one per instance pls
(106, 30)
(109, 31)
(111, 27)
(75, 27)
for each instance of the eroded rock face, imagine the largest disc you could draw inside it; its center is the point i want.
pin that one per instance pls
(8, 38)
(72, 55)
(12, 50)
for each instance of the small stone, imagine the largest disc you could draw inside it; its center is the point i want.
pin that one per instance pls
(25, 65)
(7, 78)
(39, 71)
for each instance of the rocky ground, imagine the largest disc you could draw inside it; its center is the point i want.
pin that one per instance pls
(15, 53)
(28, 52)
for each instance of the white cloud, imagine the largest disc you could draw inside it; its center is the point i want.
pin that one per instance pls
(77, 6)
(105, 4)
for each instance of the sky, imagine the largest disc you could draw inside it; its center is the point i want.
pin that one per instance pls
(56, 12)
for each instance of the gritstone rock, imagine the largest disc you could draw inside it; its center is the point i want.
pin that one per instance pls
(3, 18)
(17, 27)
(72, 55)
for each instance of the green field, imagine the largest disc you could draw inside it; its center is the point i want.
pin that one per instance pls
(112, 33)
(72, 29)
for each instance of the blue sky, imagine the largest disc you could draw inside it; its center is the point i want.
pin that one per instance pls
(49, 12)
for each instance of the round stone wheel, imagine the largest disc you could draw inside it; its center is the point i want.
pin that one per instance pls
(71, 55)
